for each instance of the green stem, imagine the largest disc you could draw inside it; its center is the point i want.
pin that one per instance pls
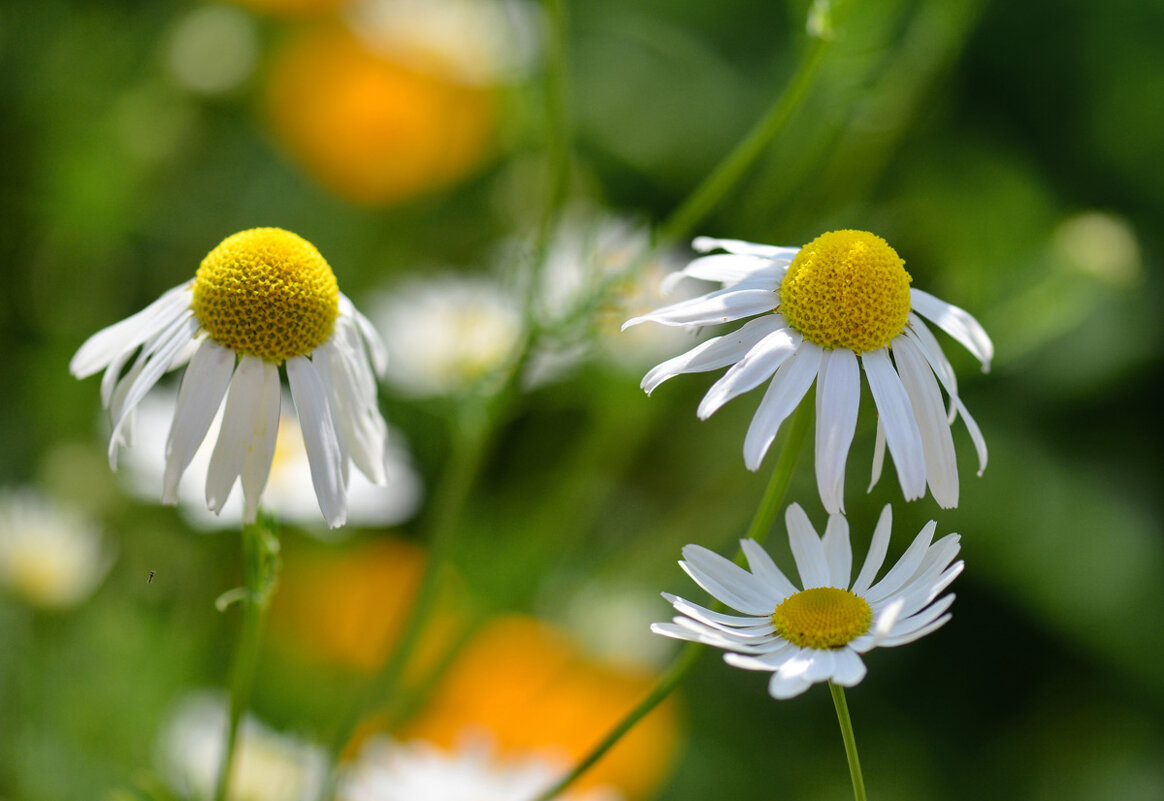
(258, 580)
(850, 741)
(734, 166)
(689, 656)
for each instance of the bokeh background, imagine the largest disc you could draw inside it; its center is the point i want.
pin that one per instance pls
(1008, 151)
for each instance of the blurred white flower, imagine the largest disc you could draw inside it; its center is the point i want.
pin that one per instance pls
(269, 766)
(419, 771)
(446, 333)
(479, 42)
(288, 495)
(213, 49)
(50, 556)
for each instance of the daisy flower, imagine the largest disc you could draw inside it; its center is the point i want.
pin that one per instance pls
(420, 771)
(262, 299)
(817, 633)
(821, 313)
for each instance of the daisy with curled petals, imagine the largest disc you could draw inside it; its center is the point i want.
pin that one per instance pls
(821, 313)
(818, 633)
(262, 299)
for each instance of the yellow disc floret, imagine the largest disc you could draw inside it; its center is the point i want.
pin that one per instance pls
(847, 289)
(823, 617)
(266, 292)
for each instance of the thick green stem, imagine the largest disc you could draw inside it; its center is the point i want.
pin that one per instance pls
(850, 741)
(689, 656)
(258, 550)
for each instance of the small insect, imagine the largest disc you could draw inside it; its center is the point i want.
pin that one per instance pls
(150, 579)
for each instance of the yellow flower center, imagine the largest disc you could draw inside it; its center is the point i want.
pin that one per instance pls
(266, 292)
(847, 289)
(823, 617)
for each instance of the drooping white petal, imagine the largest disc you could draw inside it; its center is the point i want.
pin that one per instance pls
(789, 385)
(256, 466)
(821, 664)
(766, 570)
(838, 551)
(717, 619)
(790, 680)
(937, 442)
(714, 308)
(714, 353)
(807, 549)
(838, 394)
(320, 438)
(897, 416)
(727, 581)
(878, 456)
(904, 639)
(975, 432)
(144, 379)
(240, 421)
(104, 346)
(956, 322)
(920, 333)
(757, 365)
(377, 350)
(361, 426)
(704, 244)
(200, 395)
(901, 572)
(769, 661)
(878, 547)
(684, 628)
(849, 668)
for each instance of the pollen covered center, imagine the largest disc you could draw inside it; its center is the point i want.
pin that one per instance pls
(823, 617)
(847, 289)
(266, 292)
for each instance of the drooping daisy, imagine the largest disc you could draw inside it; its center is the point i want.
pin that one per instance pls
(821, 313)
(262, 299)
(420, 771)
(817, 633)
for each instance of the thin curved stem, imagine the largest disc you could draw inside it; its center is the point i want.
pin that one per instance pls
(842, 706)
(259, 548)
(689, 656)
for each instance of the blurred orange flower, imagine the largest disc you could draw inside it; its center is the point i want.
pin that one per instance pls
(368, 128)
(529, 688)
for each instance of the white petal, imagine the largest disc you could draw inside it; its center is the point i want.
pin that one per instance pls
(200, 395)
(878, 547)
(376, 347)
(319, 435)
(716, 619)
(901, 572)
(849, 668)
(684, 628)
(878, 456)
(792, 380)
(897, 415)
(766, 570)
(147, 375)
(886, 619)
(905, 639)
(789, 681)
(361, 426)
(920, 333)
(727, 581)
(807, 549)
(956, 322)
(714, 308)
(703, 244)
(240, 420)
(757, 365)
(256, 466)
(821, 665)
(714, 353)
(726, 269)
(838, 552)
(975, 432)
(838, 393)
(923, 618)
(769, 661)
(937, 442)
(104, 346)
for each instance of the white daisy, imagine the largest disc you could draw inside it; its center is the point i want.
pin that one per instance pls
(821, 313)
(261, 299)
(420, 771)
(50, 556)
(288, 495)
(818, 633)
(447, 333)
(268, 766)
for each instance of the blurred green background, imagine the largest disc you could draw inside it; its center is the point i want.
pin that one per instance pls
(1008, 151)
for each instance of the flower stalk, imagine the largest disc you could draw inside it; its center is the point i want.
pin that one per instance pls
(842, 706)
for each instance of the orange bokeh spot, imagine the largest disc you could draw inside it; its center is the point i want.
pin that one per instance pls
(347, 608)
(369, 129)
(529, 688)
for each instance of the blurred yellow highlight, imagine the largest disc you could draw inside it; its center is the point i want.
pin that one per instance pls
(371, 130)
(529, 688)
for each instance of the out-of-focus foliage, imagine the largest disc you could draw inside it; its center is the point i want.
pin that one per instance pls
(1008, 151)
